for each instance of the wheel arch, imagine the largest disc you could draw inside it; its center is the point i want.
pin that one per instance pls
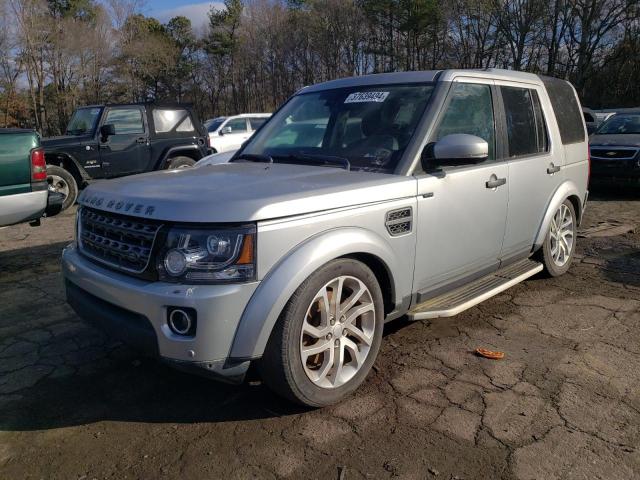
(566, 191)
(191, 151)
(275, 290)
(70, 164)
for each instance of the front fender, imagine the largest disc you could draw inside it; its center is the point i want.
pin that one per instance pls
(567, 189)
(281, 282)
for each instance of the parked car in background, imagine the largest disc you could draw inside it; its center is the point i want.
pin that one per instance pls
(590, 120)
(107, 141)
(420, 194)
(24, 194)
(615, 147)
(216, 158)
(228, 133)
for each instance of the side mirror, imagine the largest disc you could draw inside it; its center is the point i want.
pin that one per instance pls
(225, 130)
(107, 130)
(455, 149)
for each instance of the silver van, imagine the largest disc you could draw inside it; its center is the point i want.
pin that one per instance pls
(359, 201)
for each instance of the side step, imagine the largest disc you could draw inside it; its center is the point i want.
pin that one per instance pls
(458, 300)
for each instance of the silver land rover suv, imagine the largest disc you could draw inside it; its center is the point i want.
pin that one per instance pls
(359, 201)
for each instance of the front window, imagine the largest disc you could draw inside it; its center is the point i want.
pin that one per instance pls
(620, 124)
(83, 121)
(214, 125)
(368, 127)
(126, 121)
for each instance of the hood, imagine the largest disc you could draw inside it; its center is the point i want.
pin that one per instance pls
(243, 192)
(51, 143)
(618, 140)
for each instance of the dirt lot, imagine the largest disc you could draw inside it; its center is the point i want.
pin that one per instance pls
(564, 403)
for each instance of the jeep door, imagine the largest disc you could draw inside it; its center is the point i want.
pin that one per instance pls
(127, 151)
(462, 209)
(535, 161)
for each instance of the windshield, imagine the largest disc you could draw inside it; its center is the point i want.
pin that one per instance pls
(213, 125)
(367, 128)
(620, 124)
(83, 121)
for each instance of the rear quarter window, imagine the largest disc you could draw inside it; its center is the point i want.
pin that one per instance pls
(566, 109)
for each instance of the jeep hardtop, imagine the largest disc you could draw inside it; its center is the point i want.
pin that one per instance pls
(107, 141)
(361, 200)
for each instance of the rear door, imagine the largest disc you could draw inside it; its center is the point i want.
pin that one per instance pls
(127, 151)
(535, 162)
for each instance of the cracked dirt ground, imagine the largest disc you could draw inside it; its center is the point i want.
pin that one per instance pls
(564, 403)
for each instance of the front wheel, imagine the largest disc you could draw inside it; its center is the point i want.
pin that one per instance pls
(180, 162)
(560, 243)
(61, 181)
(327, 337)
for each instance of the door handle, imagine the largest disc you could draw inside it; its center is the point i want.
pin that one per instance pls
(553, 169)
(141, 140)
(495, 182)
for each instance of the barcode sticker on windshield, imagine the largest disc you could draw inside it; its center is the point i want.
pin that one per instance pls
(362, 97)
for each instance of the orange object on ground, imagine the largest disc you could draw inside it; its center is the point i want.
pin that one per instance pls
(483, 352)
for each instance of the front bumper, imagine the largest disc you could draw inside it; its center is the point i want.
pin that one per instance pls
(135, 311)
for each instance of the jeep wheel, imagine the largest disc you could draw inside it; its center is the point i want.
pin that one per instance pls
(180, 162)
(560, 243)
(327, 337)
(61, 181)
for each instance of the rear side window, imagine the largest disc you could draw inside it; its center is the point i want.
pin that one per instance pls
(526, 131)
(566, 109)
(168, 120)
(256, 123)
(127, 121)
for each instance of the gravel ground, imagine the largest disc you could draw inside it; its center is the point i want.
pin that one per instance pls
(564, 403)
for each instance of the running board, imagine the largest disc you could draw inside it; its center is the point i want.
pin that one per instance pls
(458, 300)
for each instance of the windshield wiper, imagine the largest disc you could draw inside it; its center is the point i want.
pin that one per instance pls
(323, 160)
(254, 157)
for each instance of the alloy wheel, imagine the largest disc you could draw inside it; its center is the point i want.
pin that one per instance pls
(562, 235)
(58, 185)
(337, 332)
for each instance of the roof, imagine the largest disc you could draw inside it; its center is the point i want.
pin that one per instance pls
(16, 130)
(426, 76)
(139, 104)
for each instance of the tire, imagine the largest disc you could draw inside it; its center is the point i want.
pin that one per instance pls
(62, 181)
(180, 162)
(316, 380)
(557, 256)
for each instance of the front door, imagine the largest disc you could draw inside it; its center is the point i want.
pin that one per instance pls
(461, 217)
(127, 151)
(236, 132)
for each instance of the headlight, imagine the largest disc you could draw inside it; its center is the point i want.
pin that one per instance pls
(202, 255)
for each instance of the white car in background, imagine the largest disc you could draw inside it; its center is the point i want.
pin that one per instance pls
(228, 133)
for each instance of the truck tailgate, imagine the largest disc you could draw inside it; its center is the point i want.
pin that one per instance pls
(15, 163)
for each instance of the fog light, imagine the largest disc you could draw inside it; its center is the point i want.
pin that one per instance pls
(175, 262)
(182, 321)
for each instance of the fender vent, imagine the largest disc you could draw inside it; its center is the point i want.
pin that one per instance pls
(399, 221)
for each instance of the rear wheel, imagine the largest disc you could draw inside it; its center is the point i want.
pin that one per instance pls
(328, 336)
(560, 243)
(180, 162)
(61, 181)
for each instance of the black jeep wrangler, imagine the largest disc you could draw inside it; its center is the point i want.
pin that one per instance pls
(106, 141)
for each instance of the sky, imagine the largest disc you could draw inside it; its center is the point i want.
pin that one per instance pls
(195, 11)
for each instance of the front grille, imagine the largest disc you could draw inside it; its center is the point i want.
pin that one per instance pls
(615, 153)
(118, 241)
(398, 222)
